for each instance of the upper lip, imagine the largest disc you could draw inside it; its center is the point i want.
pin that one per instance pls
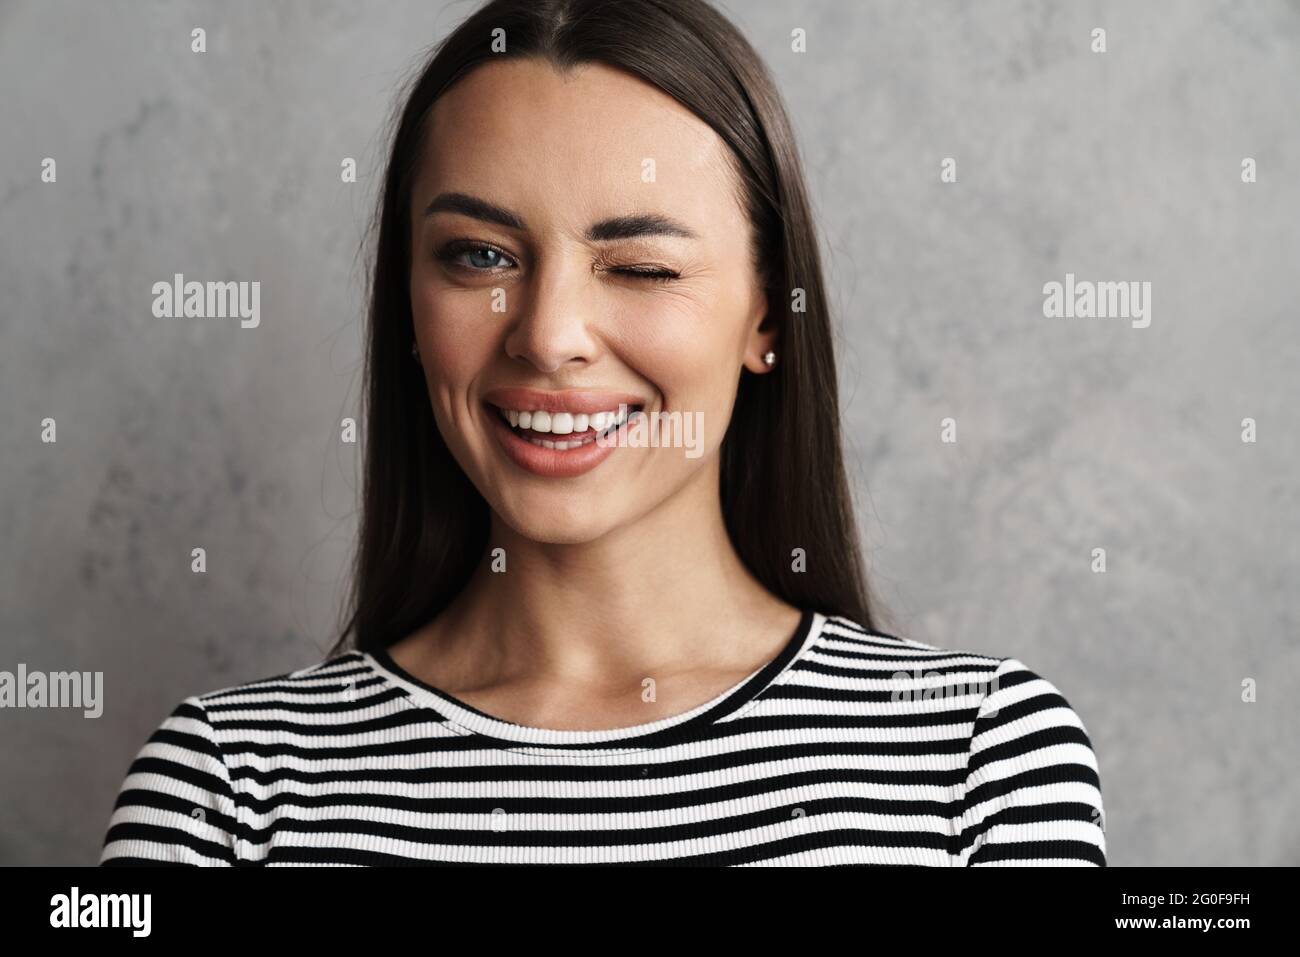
(572, 400)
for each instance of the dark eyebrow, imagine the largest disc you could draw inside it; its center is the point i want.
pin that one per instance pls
(472, 206)
(616, 227)
(636, 225)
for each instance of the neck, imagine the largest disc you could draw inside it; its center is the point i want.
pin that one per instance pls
(665, 592)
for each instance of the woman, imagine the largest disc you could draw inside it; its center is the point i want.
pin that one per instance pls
(568, 642)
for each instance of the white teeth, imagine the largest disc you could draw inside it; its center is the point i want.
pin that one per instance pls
(563, 423)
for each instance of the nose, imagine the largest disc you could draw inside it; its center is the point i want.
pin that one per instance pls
(553, 314)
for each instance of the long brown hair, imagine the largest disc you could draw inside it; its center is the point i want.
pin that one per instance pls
(423, 526)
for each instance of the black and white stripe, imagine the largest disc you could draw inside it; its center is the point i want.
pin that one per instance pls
(851, 747)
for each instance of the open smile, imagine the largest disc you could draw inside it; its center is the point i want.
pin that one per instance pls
(555, 435)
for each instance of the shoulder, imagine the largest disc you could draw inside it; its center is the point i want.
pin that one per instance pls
(1026, 780)
(1032, 793)
(992, 683)
(910, 665)
(337, 694)
(1001, 696)
(181, 798)
(337, 678)
(195, 735)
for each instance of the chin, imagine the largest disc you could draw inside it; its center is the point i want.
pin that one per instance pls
(555, 516)
(556, 529)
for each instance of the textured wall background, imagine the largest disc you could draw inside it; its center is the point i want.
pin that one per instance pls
(1072, 433)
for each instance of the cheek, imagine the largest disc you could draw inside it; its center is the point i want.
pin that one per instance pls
(690, 351)
(692, 330)
(450, 329)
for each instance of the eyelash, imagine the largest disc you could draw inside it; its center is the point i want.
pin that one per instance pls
(452, 250)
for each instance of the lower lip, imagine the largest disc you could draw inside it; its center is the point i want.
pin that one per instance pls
(551, 463)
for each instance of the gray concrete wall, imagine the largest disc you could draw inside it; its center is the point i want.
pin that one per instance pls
(1072, 434)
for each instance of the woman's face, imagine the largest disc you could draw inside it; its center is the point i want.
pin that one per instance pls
(552, 300)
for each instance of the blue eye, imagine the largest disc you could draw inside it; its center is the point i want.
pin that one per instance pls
(453, 251)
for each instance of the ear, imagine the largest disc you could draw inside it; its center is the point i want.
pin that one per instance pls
(762, 337)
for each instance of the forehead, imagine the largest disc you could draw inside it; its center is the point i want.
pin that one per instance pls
(568, 148)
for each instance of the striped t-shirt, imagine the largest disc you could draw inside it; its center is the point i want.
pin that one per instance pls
(850, 747)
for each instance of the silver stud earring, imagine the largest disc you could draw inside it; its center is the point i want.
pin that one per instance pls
(415, 351)
(770, 359)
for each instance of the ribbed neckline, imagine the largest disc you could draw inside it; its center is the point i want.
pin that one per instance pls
(638, 736)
